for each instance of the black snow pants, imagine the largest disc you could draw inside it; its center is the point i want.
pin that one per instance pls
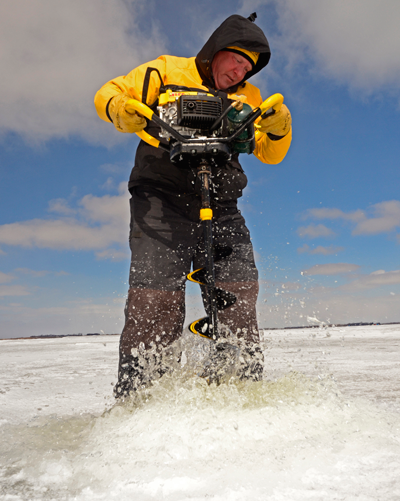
(166, 240)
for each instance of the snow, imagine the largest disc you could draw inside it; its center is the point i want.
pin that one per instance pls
(323, 425)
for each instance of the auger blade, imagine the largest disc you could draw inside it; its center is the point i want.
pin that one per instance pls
(224, 299)
(202, 327)
(198, 276)
(221, 252)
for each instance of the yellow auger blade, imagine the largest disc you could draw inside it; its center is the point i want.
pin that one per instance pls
(201, 327)
(197, 279)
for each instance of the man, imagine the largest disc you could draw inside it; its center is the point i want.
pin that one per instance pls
(165, 233)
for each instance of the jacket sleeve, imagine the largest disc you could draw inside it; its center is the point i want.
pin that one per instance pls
(270, 151)
(133, 84)
(267, 150)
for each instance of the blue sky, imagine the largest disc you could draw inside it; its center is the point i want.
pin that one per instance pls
(325, 222)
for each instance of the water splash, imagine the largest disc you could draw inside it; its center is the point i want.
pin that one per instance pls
(293, 438)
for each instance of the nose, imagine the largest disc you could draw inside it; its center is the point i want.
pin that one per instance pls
(240, 72)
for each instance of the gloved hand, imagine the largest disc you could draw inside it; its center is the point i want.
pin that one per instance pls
(278, 124)
(124, 117)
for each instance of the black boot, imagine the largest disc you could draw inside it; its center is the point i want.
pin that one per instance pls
(137, 372)
(130, 376)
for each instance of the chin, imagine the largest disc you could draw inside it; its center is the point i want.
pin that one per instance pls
(228, 84)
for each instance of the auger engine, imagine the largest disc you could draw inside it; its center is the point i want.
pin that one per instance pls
(201, 117)
(191, 114)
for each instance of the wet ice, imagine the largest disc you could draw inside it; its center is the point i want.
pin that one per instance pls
(323, 425)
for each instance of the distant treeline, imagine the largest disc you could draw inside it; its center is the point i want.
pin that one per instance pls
(318, 326)
(66, 335)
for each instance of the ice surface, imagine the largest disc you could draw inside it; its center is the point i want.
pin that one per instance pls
(324, 425)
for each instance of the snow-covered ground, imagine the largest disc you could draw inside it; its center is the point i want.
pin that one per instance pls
(324, 425)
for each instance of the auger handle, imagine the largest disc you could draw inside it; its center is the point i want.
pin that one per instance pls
(275, 102)
(148, 113)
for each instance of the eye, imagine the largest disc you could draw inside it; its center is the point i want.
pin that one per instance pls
(245, 64)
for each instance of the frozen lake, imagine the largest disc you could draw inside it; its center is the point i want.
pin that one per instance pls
(324, 425)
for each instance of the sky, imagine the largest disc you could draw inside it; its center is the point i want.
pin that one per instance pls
(325, 223)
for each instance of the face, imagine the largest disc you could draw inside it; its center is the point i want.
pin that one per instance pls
(229, 69)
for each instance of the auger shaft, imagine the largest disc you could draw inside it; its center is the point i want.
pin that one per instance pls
(206, 215)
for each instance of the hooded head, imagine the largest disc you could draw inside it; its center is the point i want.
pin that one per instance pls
(236, 34)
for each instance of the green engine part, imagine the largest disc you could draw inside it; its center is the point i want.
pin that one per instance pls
(244, 143)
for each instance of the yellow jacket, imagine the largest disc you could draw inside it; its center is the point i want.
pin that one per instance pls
(179, 71)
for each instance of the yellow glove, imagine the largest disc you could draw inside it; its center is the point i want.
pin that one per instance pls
(278, 124)
(124, 117)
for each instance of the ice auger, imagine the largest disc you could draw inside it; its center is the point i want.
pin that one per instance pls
(198, 124)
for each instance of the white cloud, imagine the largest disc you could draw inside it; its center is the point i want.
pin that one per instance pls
(100, 223)
(356, 282)
(33, 273)
(109, 185)
(117, 168)
(315, 231)
(325, 251)
(56, 55)
(331, 269)
(387, 218)
(13, 290)
(333, 213)
(40, 273)
(107, 209)
(383, 217)
(60, 206)
(113, 255)
(376, 279)
(5, 277)
(59, 234)
(356, 42)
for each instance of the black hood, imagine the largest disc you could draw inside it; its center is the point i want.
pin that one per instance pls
(234, 31)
